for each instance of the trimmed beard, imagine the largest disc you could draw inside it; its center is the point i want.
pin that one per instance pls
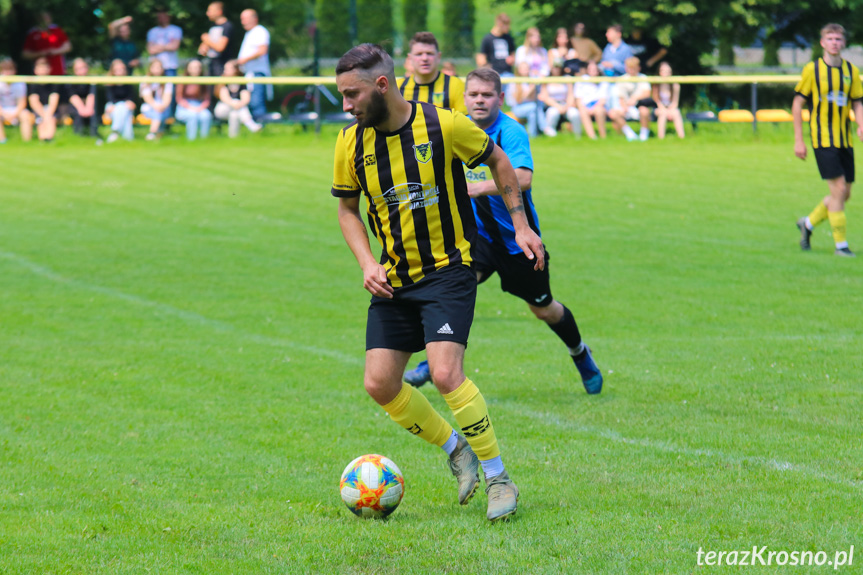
(377, 112)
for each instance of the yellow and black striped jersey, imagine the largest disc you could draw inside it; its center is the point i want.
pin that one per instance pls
(445, 92)
(830, 91)
(415, 188)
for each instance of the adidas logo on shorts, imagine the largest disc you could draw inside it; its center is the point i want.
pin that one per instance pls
(445, 328)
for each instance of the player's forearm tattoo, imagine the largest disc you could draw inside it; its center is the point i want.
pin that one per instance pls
(508, 193)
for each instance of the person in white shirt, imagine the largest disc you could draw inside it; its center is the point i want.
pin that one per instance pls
(634, 102)
(163, 41)
(255, 60)
(590, 98)
(13, 104)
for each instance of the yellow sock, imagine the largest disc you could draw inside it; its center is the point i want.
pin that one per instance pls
(471, 414)
(412, 410)
(818, 215)
(837, 223)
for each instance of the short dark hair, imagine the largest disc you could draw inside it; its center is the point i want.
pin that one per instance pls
(367, 57)
(617, 27)
(487, 75)
(423, 38)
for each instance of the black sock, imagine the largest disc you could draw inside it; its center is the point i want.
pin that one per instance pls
(567, 330)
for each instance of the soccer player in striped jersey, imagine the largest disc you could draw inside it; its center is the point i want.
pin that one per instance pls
(830, 85)
(406, 159)
(495, 249)
(427, 83)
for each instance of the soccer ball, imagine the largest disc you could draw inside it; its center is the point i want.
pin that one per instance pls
(372, 486)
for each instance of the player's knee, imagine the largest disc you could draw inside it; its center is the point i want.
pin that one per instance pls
(546, 313)
(446, 376)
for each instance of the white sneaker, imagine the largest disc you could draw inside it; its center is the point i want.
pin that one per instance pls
(150, 137)
(644, 135)
(550, 132)
(112, 137)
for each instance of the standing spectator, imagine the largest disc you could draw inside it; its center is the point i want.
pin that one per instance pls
(156, 98)
(43, 100)
(562, 52)
(82, 98)
(122, 46)
(498, 48)
(47, 41)
(233, 104)
(427, 83)
(533, 53)
(633, 102)
(119, 104)
(13, 104)
(667, 98)
(255, 60)
(558, 96)
(193, 103)
(525, 104)
(591, 99)
(615, 53)
(646, 48)
(163, 41)
(217, 44)
(586, 48)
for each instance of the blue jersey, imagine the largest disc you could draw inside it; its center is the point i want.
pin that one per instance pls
(492, 217)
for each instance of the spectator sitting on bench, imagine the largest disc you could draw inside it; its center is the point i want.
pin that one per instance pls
(13, 104)
(633, 102)
(525, 105)
(43, 100)
(591, 99)
(667, 98)
(233, 104)
(119, 104)
(156, 100)
(82, 98)
(559, 98)
(193, 103)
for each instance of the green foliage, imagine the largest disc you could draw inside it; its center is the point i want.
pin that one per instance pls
(375, 22)
(459, 18)
(415, 16)
(334, 22)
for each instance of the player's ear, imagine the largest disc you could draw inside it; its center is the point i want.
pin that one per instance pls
(382, 84)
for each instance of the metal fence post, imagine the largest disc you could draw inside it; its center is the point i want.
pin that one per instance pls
(754, 106)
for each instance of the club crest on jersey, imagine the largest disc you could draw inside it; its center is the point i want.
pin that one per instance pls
(423, 152)
(369, 160)
(437, 98)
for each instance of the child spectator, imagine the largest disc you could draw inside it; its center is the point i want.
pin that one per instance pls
(559, 98)
(82, 98)
(526, 106)
(533, 53)
(193, 102)
(13, 104)
(43, 100)
(156, 98)
(667, 98)
(122, 46)
(634, 102)
(119, 104)
(233, 104)
(562, 52)
(591, 99)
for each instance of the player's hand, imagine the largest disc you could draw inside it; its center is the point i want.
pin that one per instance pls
(800, 148)
(473, 190)
(531, 245)
(375, 281)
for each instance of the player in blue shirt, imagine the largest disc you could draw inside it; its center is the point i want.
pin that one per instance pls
(495, 249)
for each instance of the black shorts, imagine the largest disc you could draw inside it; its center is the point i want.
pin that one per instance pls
(516, 272)
(439, 307)
(835, 162)
(645, 102)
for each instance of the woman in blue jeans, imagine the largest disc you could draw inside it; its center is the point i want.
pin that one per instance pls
(193, 104)
(525, 105)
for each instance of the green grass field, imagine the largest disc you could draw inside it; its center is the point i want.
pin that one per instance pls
(181, 358)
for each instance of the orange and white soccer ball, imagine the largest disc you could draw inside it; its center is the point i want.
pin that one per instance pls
(372, 486)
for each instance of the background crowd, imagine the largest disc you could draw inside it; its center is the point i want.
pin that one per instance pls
(236, 52)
